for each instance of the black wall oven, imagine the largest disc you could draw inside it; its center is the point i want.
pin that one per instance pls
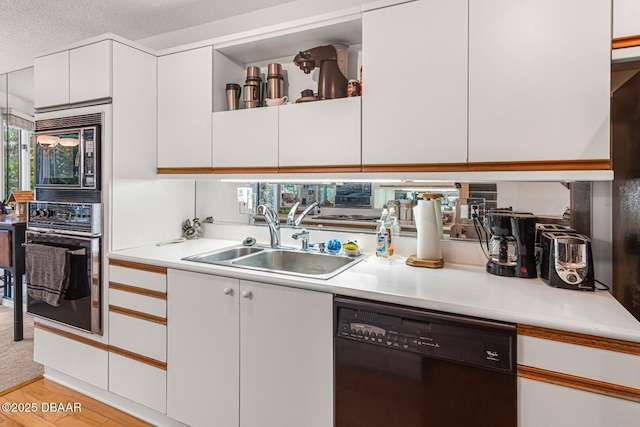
(398, 366)
(76, 227)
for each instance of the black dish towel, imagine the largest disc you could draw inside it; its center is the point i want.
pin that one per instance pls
(47, 270)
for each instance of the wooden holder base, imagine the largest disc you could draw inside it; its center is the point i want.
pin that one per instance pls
(414, 261)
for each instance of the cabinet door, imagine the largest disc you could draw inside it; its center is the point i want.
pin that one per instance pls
(414, 103)
(90, 72)
(51, 80)
(626, 18)
(185, 82)
(544, 404)
(203, 346)
(324, 133)
(286, 357)
(245, 138)
(539, 80)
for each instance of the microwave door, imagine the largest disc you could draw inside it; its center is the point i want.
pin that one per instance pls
(58, 159)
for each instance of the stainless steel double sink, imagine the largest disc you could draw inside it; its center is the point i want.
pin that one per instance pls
(285, 261)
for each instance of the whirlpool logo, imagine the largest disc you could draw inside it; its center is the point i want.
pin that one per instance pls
(493, 355)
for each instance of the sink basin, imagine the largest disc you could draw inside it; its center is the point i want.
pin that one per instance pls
(296, 262)
(224, 255)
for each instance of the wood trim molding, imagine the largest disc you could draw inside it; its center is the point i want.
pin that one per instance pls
(580, 383)
(580, 339)
(137, 314)
(535, 165)
(323, 168)
(137, 290)
(174, 171)
(246, 169)
(138, 266)
(22, 384)
(138, 357)
(416, 167)
(71, 336)
(628, 41)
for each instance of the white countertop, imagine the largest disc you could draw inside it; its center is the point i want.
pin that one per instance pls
(456, 288)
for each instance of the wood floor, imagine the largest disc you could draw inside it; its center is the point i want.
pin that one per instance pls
(57, 406)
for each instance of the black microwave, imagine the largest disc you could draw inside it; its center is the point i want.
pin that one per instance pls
(67, 152)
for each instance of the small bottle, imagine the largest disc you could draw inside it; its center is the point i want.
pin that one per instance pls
(395, 225)
(382, 249)
(387, 221)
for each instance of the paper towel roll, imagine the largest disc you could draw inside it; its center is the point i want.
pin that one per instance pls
(428, 241)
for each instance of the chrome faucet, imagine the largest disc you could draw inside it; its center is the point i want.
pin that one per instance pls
(304, 235)
(295, 222)
(273, 221)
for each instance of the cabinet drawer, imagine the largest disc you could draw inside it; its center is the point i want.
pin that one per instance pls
(139, 336)
(581, 361)
(88, 363)
(142, 303)
(140, 278)
(138, 381)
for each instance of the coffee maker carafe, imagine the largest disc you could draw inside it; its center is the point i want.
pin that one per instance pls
(512, 245)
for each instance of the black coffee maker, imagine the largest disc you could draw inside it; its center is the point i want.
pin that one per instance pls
(512, 245)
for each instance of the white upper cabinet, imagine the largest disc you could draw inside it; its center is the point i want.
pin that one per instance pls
(90, 72)
(185, 89)
(305, 136)
(73, 76)
(414, 103)
(324, 133)
(245, 139)
(539, 81)
(626, 18)
(51, 79)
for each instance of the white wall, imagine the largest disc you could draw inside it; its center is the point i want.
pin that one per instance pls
(601, 232)
(219, 200)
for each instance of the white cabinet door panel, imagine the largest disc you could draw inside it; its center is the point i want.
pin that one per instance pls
(414, 103)
(142, 383)
(203, 355)
(51, 80)
(551, 405)
(185, 84)
(90, 72)
(626, 18)
(64, 354)
(139, 336)
(320, 133)
(245, 138)
(286, 358)
(539, 80)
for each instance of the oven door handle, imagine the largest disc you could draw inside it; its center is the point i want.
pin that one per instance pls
(49, 234)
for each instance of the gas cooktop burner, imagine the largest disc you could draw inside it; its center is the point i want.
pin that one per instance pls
(348, 217)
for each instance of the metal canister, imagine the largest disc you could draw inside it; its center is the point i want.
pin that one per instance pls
(353, 88)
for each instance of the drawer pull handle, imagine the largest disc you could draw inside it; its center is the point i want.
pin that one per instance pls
(247, 294)
(228, 291)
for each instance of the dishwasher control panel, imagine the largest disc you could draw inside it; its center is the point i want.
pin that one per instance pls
(456, 338)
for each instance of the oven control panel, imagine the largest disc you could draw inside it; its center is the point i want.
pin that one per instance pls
(83, 219)
(432, 337)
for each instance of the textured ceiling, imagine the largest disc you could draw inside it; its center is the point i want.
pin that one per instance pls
(29, 27)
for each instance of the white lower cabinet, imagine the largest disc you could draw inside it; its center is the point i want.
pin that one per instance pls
(247, 353)
(551, 405)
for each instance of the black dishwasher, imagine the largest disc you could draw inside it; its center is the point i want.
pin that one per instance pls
(405, 367)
